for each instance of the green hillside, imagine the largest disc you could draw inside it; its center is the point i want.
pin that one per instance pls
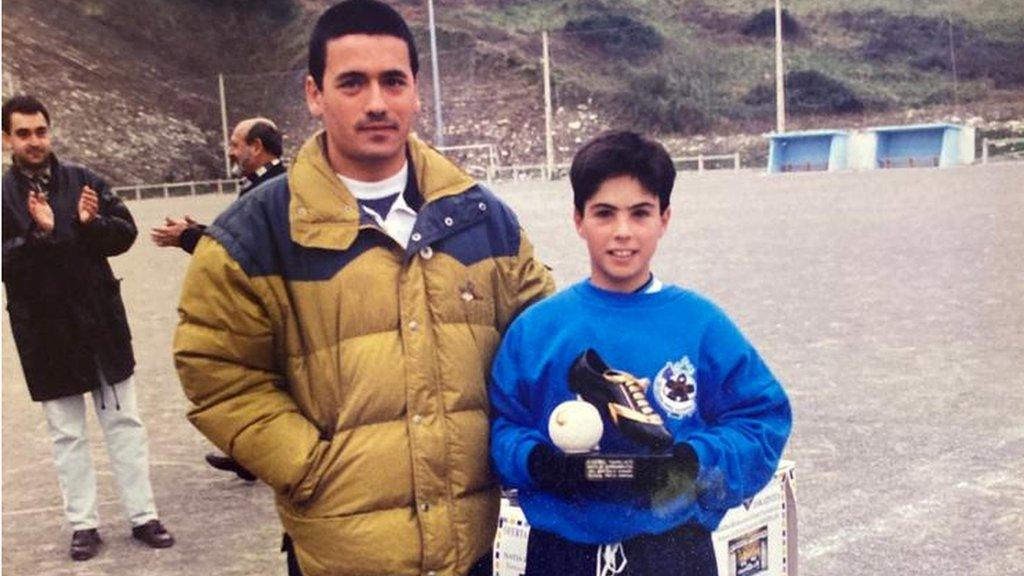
(686, 66)
(698, 73)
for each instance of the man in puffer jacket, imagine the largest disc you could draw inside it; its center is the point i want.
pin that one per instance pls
(336, 327)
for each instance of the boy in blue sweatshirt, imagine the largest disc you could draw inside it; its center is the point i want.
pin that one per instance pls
(677, 376)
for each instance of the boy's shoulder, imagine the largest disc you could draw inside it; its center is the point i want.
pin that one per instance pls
(551, 307)
(581, 298)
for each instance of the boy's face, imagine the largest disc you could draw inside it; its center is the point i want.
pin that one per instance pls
(621, 225)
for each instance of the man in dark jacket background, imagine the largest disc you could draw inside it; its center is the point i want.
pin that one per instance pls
(255, 150)
(60, 224)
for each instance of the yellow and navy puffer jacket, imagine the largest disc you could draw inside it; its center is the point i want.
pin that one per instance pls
(349, 374)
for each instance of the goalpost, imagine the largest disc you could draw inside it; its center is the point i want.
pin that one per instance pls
(1014, 146)
(480, 160)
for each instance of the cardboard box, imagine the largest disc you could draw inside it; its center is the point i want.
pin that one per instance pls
(757, 538)
(511, 538)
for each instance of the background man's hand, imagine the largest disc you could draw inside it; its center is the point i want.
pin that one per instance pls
(170, 233)
(88, 205)
(39, 209)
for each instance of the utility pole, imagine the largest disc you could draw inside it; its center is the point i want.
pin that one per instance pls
(549, 145)
(952, 63)
(438, 123)
(780, 88)
(224, 126)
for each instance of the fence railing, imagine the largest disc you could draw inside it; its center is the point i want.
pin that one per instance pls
(703, 162)
(175, 189)
(700, 163)
(491, 172)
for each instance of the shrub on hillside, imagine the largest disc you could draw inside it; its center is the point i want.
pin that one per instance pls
(924, 43)
(617, 35)
(656, 102)
(809, 91)
(277, 9)
(762, 25)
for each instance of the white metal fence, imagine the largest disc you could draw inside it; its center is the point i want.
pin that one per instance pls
(174, 189)
(489, 171)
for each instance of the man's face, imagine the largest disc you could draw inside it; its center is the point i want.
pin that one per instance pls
(242, 155)
(29, 139)
(621, 226)
(368, 104)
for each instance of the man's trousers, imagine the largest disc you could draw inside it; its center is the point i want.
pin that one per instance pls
(127, 446)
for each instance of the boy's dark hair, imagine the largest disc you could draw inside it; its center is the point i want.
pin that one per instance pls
(22, 104)
(268, 134)
(356, 17)
(621, 153)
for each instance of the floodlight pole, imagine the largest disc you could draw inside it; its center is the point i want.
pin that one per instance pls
(439, 124)
(952, 62)
(549, 147)
(780, 88)
(224, 126)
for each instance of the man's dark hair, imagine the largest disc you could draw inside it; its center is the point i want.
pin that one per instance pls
(23, 104)
(356, 17)
(621, 153)
(266, 133)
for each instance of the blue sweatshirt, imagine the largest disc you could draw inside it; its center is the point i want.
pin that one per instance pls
(708, 383)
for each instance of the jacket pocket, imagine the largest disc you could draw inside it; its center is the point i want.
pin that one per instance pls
(378, 543)
(119, 332)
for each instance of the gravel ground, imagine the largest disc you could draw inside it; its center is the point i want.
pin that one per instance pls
(890, 304)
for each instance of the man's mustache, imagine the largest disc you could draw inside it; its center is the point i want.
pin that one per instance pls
(376, 124)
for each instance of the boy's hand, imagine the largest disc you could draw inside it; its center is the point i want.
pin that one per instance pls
(88, 205)
(671, 480)
(553, 472)
(40, 211)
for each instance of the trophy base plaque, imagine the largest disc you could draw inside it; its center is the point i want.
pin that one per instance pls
(599, 467)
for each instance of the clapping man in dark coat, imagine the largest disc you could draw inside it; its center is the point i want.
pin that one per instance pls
(60, 224)
(255, 150)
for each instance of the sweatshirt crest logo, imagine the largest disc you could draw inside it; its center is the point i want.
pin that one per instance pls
(675, 388)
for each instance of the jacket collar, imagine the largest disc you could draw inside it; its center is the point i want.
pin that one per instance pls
(322, 213)
(269, 170)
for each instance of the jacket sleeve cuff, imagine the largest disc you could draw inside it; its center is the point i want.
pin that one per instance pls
(190, 238)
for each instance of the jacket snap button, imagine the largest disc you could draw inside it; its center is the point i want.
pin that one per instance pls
(425, 507)
(301, 211)
(417, 419)
(448, 221)
(426, 252)
(416, 236)
(414, 325)
(482, 206)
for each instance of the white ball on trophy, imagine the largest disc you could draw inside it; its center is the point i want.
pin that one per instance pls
(575, 427)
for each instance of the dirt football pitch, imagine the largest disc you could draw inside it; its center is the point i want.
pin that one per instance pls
(889, 303)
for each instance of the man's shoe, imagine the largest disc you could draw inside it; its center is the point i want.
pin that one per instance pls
(621, 397)
(85, 544)
(228, 464)
(153, 534)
